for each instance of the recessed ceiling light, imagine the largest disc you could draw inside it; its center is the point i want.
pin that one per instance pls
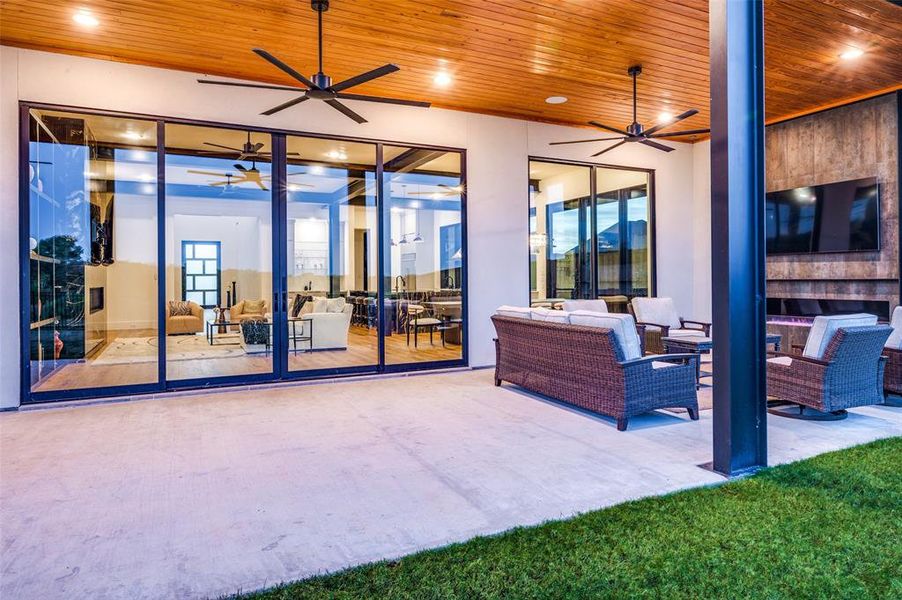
(132, 135)
(442, 78)
(337, 155)
(293, 187)
(85, 18)
(851, 54)
(664, 116)
(556, 99)
(317, 170)
(145, 177)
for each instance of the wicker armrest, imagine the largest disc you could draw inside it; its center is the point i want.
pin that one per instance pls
(683, 358)
(892, 351)
(700, 325)
(807, 359)
(665, 329)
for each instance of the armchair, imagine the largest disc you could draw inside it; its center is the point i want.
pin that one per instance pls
(661, 319)
(179, 324)
(892, 380)
(248, 309)
(847, 372)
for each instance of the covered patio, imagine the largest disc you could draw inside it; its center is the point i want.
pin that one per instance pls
(166, 497)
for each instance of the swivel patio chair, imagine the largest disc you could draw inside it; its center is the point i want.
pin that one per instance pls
(842, 367)
(892, 379)
(661, 319)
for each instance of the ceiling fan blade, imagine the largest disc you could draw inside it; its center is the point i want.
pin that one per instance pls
(262, 187)
(609, 148)
(258, 146)
(213, 173)
(221, 146)
(607, 139)
(361, 97)
(240, 167)
(657, 146)
(364, 77)
(278, 63)
(284, 105)
(679, 133)
(345, 110)
(609, 128)
(672, 121)
(252, 85)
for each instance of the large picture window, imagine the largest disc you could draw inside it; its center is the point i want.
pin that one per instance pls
(590, 233)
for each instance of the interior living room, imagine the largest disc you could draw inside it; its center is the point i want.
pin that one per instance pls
(333, 281)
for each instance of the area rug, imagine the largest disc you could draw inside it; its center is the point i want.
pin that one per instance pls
(133, 350)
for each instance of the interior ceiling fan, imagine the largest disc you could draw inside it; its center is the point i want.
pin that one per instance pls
(635, 132)
(248, 151)
(320, 86)
(446, 191)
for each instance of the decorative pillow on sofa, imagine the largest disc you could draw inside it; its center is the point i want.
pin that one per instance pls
(320, 305)
(253, 307)
(519, 312)
(623, 326)
(335, 305)
(179, 308)
(895, 338)
(550, 316)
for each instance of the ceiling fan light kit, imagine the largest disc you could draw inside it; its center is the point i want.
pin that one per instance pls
(319, 86)
(635, 132)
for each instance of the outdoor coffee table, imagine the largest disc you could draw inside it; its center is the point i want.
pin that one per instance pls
(702, 345)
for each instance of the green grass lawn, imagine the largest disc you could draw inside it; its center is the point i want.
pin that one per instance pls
(829, 527)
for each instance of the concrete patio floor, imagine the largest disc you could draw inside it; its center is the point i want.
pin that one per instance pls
(203, 495)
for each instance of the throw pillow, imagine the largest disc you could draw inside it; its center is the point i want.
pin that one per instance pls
(335, 305)
(320, 305)
(253, 307)
(298, 305)
(179, 308)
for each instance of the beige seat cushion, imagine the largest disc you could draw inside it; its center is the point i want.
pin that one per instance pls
(781, 360)
(623, 326)
(599, 305)
(519, 312)
(824, 328)
(895, 338)
(549, 316)
(660, 311)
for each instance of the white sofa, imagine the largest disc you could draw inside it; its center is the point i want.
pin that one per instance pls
(331, 320)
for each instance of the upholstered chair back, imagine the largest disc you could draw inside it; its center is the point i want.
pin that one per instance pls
(623, 326)
(660, 311)
(598, 306)
(824, 328)
(895, 338)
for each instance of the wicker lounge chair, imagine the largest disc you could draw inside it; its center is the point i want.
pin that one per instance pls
(892, 379)
(588, 367)
(848, 373)
(661, 319)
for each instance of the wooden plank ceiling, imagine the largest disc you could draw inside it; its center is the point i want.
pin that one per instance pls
(505, 56)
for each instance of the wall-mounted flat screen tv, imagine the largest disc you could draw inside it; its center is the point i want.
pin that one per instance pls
(835, 217)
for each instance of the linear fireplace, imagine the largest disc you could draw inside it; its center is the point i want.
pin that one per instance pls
(808, 308)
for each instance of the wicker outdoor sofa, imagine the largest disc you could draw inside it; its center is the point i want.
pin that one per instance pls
(892, 380)
(585, 366)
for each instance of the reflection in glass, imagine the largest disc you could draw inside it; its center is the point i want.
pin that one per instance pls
(92, 251)
(622, 214)
(423, 255)
(560, 232)
(218, 314)
(332, 254)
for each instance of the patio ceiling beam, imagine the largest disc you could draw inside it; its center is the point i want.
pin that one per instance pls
(737, 225)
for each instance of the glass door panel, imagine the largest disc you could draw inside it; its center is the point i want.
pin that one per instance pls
(332, 252)
(92, 251)
(219, 285)
(622, 215)
(423, 255)
(560, 232)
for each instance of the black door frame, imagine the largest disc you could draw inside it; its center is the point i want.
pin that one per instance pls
(280, 306)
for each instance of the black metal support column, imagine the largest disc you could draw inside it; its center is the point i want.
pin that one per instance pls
(737, 225)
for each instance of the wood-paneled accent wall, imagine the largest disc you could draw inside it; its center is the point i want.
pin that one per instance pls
(851, 142)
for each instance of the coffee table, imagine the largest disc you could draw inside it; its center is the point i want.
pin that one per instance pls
(702, 345)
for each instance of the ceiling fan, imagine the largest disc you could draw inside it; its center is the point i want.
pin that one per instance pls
(248, 150)
(446, 191)
(252, 175)
(320, 86)
(635, 132)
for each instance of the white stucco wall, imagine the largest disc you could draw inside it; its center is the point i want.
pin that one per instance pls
(497, 170)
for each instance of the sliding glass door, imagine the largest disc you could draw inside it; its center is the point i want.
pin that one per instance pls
(332, 259)
(167, 255)
(218, 243)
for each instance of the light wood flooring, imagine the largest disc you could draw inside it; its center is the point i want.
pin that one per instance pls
(362, 351)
